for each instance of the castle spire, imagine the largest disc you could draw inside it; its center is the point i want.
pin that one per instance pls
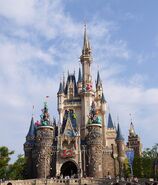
(79, 76)
(60, 88)
(98, 79)
(103, 98)
(119, 136)
(86, 43)
(132, 130)
(31, 132)
(110, 122)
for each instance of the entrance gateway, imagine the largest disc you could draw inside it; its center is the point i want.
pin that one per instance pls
(70, 169)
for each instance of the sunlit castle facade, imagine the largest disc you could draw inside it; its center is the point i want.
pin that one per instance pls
(84, 143)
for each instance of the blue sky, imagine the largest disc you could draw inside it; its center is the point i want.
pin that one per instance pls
(39, 40)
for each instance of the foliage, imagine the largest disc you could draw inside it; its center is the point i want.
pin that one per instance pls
(4, 161)
(137, 166)
(17, 170)
(144, 165)
(127, 170)
(11, 171)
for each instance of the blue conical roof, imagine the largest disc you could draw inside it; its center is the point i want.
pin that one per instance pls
(103, 98)
(60, 88)
(119, 136)
(110, 122)
(79, 76)
(31, 132)
(98, 79)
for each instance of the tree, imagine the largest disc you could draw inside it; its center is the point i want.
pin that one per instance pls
(127, 170)
(150, 159)
(17, 170)
(4, 161)
(137, 166)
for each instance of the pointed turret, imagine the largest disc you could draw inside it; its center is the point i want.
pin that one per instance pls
(79, 76)
(86, 44)
(121, 151)
(60, 88)
(132, 130)
(86, 60)
(103, 98)
(63, 82)
(110, 122)
(119, 136)
(98, 83)
(31, 133)
(28, 147)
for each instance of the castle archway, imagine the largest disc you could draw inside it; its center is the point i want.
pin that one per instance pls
(69, 168)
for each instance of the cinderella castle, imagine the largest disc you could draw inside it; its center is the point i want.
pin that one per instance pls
(85, 143)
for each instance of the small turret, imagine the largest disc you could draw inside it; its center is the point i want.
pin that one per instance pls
(60, 88)
(111, 132)
(98, 83)
(60, 96)
(110, 122)
(121, 150)
(119, 136)
(99, 88)
(31, 133)
(28, 147)
(103, 99)
(79, 82)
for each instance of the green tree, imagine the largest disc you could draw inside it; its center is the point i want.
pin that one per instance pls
(150, 158)
(4, 161)
(137, 166)
(127, 170)
(17, 170)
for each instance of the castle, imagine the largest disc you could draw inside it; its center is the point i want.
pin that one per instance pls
(84, 143)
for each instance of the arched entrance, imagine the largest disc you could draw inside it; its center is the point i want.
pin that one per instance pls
(69, 168)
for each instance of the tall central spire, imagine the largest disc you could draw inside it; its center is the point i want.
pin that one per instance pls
(86, 51)
(86, 44)
(86, 58)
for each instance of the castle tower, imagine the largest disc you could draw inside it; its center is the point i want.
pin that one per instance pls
(79, 82)
(111, 132)
(120, 150)
(44, 141)
(134, 141)
(60, 96)
(87, 94)
(94, 144)
(28, 147)
(99, 87)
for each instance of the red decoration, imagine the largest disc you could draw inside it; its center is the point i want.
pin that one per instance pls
(67, 153)
(89, 87)
(37, 123)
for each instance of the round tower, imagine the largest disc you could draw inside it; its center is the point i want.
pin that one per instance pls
(94, 144)
(43, 146)
(120, 150)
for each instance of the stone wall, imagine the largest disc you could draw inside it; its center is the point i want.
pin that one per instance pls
(84, 181)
